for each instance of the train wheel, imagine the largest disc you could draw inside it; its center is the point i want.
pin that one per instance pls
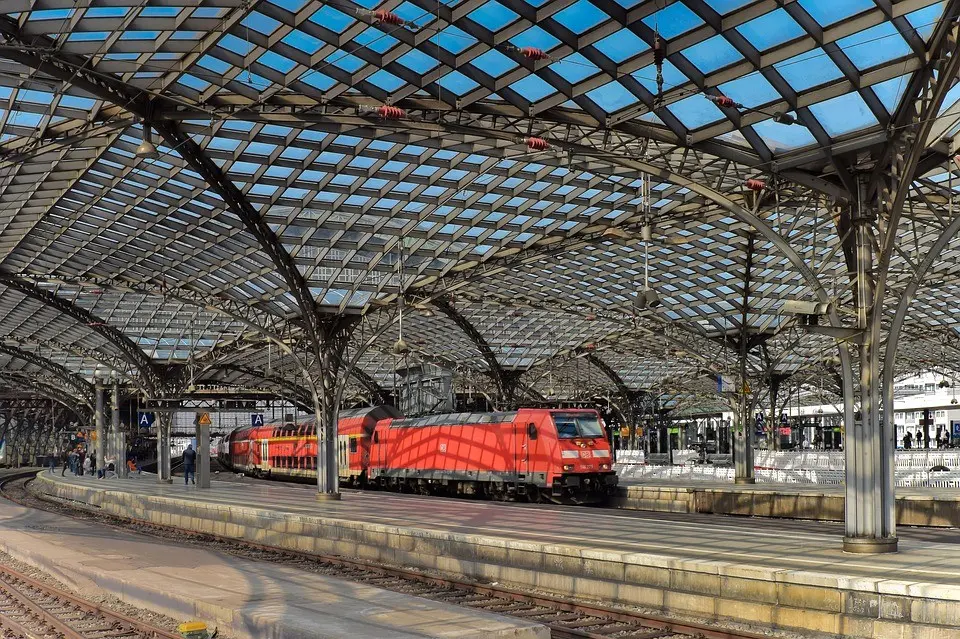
(533, 494)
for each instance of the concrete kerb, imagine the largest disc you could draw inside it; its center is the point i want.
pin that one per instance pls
(710, 589)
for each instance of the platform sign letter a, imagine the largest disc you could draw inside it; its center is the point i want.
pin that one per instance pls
(256, 419)
(144, 420)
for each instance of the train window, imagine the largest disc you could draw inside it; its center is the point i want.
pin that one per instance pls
(532, 431)
(353, 444)
(571, 425)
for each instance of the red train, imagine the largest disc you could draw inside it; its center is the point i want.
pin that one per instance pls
(537, 454)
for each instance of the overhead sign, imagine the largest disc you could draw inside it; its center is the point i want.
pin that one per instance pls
(145, 420)
(204, 419)
(256, 419)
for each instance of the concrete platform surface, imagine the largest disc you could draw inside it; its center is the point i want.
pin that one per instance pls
(791, 577)
(243, 597)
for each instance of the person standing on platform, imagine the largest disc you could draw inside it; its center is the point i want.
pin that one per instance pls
(81, 460)
(93, 462)
(65, 460)
(87, 466)
(907, 440)
(189, 465)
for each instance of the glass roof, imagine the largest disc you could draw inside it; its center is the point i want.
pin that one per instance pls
(505, 153)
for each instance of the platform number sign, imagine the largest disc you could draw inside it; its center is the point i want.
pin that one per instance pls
(256, 419)
(759, 421)
(145, 420)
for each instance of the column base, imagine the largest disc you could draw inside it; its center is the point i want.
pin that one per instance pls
(328, 496)
(869, 545)
(745, 480)
(164, 481)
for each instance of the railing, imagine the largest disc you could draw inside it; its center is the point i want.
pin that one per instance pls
(905, 478)
(800, 460)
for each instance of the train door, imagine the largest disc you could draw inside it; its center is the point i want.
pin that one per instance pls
(265, 453)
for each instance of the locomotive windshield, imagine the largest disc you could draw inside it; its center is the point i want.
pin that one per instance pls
(570, 425)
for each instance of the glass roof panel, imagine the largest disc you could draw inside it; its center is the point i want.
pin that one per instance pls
(923, 20)
(621, 45)
(696, 111)
(329, 18)
(673, 20)
(750, 90)
(712, 54)
(724, 7)
(612, 97)
(580, 16)
(771, 29)
(891, 92)
(493, 63)
(875, 45)
(809, 69)
(784, 137)
(575, 68)
(493, 16)
(843, 114)
(828, 12)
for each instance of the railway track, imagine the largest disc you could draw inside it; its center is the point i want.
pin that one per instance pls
(566, 618)
(30, 609)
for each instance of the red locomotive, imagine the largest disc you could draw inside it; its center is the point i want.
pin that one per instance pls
(538, 454)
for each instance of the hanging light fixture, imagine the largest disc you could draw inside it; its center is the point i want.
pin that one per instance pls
(147, 150)
(647, 297)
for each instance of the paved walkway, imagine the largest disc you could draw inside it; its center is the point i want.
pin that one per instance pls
(780, 545)
(247, 598)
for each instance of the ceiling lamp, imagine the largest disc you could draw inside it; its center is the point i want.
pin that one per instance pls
(400, 347)
(147, 150)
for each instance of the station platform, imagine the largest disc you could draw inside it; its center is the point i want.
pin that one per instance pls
(774, 573)
(938, 507)
(246, 599)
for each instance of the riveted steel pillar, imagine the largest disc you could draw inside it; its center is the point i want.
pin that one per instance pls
(869, 519)
(99, 421)
(203, 455)
(119, 452)
(164, 420)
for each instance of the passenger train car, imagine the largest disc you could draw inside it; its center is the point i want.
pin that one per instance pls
(536, 454)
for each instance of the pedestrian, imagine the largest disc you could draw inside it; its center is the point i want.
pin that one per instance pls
(87, 466)
(93, 462)
(907, 440)
(65, 458)
(81, 459)
(189, 465)
(52, 461)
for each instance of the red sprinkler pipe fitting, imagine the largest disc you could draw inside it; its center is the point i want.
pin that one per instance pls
(382, 16)
(755, 185)
(537, 144)
(388, 112)
(722, 101)
(533, 53)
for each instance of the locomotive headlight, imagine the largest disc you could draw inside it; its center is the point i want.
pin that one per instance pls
(568, 466)
(604, 466)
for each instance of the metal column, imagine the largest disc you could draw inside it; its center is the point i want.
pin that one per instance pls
(164, 420)
(101, 436)
(119, 446)
(869, 521)
(328, 480)
(743, 441)
(202, 468)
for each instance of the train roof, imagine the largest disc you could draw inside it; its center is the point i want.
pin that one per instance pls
(376, 413)
(454, 419)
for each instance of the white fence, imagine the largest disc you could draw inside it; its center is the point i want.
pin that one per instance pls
(805, 460)
(912, 469)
